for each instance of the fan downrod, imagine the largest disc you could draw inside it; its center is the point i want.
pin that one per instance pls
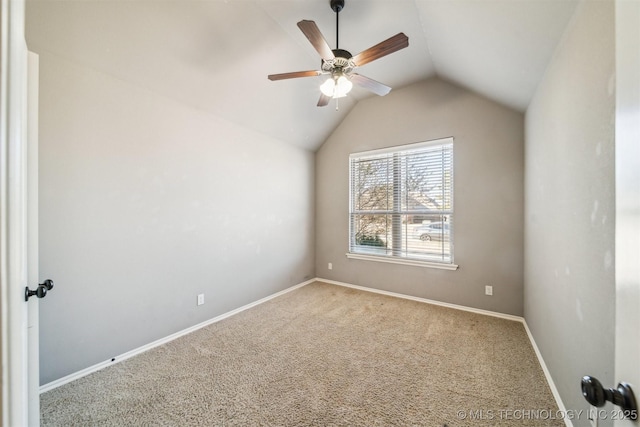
(337, 5)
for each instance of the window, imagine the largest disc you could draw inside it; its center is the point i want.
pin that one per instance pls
(401, 204)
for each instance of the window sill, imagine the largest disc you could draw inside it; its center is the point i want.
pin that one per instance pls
(402, 261)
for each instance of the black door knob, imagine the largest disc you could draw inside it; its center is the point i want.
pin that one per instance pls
(622, 396)
(41, 290)
(47, 284)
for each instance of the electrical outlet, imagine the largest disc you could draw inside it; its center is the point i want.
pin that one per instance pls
(330, 266)
(488, 290)
(200, 299)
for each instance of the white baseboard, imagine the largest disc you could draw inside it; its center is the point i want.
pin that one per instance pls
(139, 350)
(547, 374)
(427, 301)
(91, 369)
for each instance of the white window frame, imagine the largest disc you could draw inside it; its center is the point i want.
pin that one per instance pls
(400, 259)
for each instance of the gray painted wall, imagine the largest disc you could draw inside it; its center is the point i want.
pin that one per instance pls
(145, 203)
(488, 198)
(569, 225)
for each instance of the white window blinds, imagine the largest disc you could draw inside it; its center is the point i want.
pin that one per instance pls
(401, 202)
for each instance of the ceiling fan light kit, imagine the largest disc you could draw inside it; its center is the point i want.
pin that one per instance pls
(337, 86)
(340, 64)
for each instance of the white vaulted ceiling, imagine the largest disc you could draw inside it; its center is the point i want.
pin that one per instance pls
(215, 55)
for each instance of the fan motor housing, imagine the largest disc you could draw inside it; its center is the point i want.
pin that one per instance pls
(342, 61)
(341, 54)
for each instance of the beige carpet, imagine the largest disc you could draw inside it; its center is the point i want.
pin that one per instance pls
(322, 355)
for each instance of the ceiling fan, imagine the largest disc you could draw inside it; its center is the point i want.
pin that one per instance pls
(340, 64)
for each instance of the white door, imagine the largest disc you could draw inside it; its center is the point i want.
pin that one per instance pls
(19, 322)
(33, 325)
(627, 364)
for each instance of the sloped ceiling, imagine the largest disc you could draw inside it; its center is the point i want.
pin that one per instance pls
(215, 55)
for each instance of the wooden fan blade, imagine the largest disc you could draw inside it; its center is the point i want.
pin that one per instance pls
(324, 100)
(392, 44)
(311, 30)
(293, 75)
(370, 84)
